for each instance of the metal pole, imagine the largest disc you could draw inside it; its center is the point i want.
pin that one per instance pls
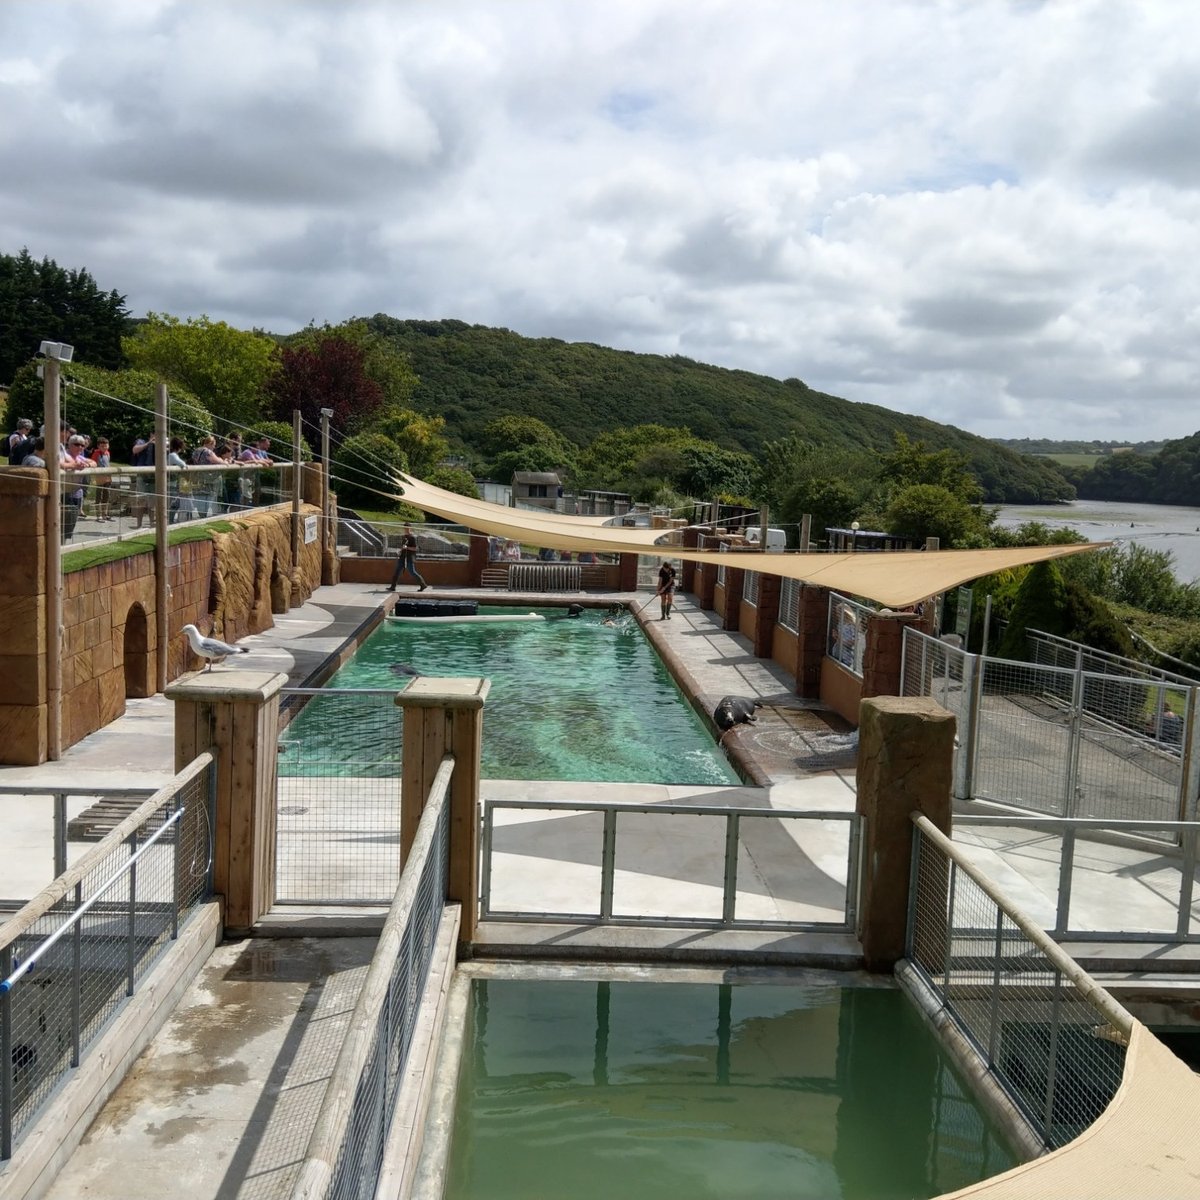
(326, 500)
(1066, 874)
(77, 981)
(994, 1015)
(975, 667)
(987, 624)
(1052, 1058)
(162, 589)
(729, 893)
(52, 419)
(1075, 735)
(6, 1058)
(60, 833)
(764, 521)
(608, 860)
(131, 921)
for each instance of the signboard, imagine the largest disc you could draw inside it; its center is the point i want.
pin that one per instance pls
(310, 529)
(962, 613)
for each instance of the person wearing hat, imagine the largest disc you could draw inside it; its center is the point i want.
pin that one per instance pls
(19, 441)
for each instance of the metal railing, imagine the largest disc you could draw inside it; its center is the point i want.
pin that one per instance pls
(750, 585)
(739, 845)
(1058, 741)
(59, 818)
(544, 577)
(338, 818)
(73, 954)
(1049, 1035)
(1161, 889)
(846, 632)
(789, 605)
(346, 1148)
(1051, 650)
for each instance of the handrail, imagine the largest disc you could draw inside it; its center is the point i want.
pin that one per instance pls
(53, 892)
(1118, 1016)
(329, 1132)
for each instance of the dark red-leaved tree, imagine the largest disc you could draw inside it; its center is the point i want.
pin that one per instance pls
(325, 373)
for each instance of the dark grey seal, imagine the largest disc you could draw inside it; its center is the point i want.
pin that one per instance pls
(735, 710)
(405, 669)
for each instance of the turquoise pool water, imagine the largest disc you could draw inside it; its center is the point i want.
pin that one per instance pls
(709, 1092)
(569, 699)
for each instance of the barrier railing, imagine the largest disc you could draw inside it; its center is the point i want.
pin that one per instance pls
(544, 577)
(742, 842)
(1062, 741)
(346, 1147)
(59, 817)
(1049, 1035)
(77, 950)
(1163, 885)
(338, 818)
(846, 632)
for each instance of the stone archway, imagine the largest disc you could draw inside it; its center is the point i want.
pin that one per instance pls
(135, 652)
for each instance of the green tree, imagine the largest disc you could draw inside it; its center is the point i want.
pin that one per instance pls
(611, 461)
(227, 369)
(454, 479)
(118, 405)
(382, 362)
(925, 510)
(362, 471)
(41, 301)
(909, 464)
(420, 437)
(520, 443)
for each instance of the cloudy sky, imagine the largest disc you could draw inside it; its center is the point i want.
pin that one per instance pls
(985, 211)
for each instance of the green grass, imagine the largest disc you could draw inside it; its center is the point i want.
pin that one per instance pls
(1073, 460)
(96, 556)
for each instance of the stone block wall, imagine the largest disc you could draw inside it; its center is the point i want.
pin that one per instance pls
(229, 585)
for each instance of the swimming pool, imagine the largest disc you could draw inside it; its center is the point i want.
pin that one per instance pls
(705, 1090)
(570, 699)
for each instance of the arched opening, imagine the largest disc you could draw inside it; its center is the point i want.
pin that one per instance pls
(136, 654)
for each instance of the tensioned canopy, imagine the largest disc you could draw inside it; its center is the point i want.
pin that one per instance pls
(895, 579)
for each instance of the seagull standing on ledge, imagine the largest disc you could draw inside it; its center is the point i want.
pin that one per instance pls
(210, 649)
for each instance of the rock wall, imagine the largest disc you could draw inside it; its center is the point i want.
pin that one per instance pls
(229, 585)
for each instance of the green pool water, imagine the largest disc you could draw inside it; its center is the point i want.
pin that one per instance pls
(569, 699)
(709, 1092)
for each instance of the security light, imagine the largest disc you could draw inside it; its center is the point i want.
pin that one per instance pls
(59, 351)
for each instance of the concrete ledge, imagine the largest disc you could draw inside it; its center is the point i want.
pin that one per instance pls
(300, 921)
(642, 944)
(54, 1136)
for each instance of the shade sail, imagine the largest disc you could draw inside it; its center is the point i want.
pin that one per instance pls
(896, 579)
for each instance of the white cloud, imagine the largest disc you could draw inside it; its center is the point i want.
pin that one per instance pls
(984, 212)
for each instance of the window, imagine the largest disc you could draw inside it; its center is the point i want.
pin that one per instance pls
(789, 604)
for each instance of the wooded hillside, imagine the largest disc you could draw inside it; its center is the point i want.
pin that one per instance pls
(471, 374)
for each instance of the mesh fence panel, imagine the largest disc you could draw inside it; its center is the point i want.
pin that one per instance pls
(56, 1010)
(1052, 1051)
(789, 604)
(361, 1153)
(750, 587)
(338, 829)
(846, 632)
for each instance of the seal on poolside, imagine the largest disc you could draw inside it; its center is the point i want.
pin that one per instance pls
(735, 710)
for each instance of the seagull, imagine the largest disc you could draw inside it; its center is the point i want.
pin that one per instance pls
(210, 649)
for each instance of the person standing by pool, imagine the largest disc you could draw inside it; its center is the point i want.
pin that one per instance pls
(407, 560)
(666, 589)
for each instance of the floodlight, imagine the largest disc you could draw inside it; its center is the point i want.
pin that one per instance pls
(59, 351)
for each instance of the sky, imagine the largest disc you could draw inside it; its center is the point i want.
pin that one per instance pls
(986, 212)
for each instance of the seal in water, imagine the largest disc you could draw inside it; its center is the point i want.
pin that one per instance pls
(405, 669)
(735, 710)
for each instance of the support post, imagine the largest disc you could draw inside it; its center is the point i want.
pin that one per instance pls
(235, 714)
(445, 716)
(905, 764)
(297, 518)
(161, 549)
(329, 558)
(52, 420)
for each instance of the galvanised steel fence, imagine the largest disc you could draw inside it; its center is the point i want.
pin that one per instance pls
(1062, 741)
(846, 632)
(1087, 903)
(733, 867)
(73, 955)
(789, 604)
(1049, 1035)
(338, 821)
(346, 1148)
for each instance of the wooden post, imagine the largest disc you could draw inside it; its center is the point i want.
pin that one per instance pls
(162, 557)
(52, 419)
(235, 714)
(445, 716)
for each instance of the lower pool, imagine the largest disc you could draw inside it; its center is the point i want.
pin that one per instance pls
(571, 699)
(723, 1091)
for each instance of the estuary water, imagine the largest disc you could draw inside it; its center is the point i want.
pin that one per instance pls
(1154, 526)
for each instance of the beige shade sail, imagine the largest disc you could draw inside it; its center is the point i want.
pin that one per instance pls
(895, 579)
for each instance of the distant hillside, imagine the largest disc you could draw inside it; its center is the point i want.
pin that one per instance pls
(471, 374)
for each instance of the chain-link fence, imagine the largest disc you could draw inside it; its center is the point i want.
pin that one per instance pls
(338, 820)
(346, 1149)
(1049, 1035)
(71, 957)
(846, 632)
(1061, 741)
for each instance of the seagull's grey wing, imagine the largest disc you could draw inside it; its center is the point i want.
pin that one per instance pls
(212, 646)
